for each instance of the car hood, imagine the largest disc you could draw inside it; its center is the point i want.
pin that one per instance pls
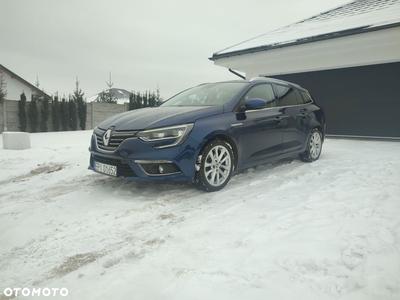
(154, 117)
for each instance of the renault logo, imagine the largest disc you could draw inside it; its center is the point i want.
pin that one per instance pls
(106, 137)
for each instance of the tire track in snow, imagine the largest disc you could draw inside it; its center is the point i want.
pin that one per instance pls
(50, 255)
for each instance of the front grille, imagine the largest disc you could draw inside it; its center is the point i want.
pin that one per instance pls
(123, 169)
(117, 137)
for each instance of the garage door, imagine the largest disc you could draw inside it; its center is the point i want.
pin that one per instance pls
(359, 101)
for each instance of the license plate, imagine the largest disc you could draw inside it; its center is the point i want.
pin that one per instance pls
(106, 169)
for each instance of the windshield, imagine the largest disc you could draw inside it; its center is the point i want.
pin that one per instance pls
(210, 94)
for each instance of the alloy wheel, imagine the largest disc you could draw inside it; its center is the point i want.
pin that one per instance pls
(315, 145)
(217, 166)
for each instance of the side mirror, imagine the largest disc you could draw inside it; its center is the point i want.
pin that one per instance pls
(255, 103)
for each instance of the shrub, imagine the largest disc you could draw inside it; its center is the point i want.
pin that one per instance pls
(45, 114)
(33, 113)
(22, 112)
(64, 114)
(55, 113)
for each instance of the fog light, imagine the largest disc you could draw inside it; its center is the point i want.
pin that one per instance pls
(158, 167)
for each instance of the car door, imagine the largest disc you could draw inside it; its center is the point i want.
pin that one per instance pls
(261, 128)
(295, 117)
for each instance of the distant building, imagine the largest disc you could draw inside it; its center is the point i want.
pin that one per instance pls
(121, 96)
(347, 57)
(16, 85)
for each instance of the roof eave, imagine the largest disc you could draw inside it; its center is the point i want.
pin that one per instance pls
(312, 39)
(20, 79)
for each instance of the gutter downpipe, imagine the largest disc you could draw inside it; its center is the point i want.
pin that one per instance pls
(236, 73)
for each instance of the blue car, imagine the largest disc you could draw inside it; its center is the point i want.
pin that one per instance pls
(207, 132)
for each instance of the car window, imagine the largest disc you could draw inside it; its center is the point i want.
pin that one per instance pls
(298, 96)
(262, 91)
(286, 95)
(212, 94)
(306, 97)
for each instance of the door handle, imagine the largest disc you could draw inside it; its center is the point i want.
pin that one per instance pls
(303, 115)
(278, 119)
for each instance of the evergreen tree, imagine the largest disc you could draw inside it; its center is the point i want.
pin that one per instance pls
(108, 96)
(131, 101)
(152, 99)
(159, 99)
(55, 113)
(3, 87)
(64, 114)
(82, 109)
(102, 97)
(33, 113)
(22, 112)
(78, 98)
(145, 99)
(45, 114)
(72, 114)
(139, 102)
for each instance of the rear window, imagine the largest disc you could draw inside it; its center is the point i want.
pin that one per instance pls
(299, 97)
(286, 95)
(306, 97)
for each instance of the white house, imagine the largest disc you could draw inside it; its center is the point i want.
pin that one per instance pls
(16, 85)
(347, 57)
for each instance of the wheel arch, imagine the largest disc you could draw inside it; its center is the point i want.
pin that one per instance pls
(321, 129)
(228, 140)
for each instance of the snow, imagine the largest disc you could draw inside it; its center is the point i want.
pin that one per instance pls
(368, 14)
(92, 98)
(285, 230)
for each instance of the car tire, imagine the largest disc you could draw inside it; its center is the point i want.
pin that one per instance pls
(314, 146)
(215, 166)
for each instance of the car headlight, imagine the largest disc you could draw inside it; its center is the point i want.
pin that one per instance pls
(170, 136)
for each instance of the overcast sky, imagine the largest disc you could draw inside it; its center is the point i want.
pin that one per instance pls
(142, 42)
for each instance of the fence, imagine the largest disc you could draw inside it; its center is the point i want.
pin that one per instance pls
(95, 113)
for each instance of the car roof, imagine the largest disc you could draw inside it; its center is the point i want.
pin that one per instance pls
(273, 80)
(261, 79)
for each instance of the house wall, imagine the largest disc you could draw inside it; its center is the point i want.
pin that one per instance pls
(15, 88)
(360, 101)
(377, 47)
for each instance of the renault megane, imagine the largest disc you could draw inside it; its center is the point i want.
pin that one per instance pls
(207, 132)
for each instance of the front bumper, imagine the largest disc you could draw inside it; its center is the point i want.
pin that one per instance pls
(137, 160)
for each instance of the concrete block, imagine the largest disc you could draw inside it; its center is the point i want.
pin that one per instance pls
(16, 140)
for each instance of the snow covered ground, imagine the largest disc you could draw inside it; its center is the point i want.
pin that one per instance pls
(287, 230)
